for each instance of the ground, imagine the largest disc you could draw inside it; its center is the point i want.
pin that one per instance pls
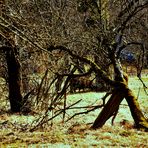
(77, 133)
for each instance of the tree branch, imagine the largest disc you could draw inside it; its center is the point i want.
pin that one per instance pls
(8, 26)
(93, 65)
(131, 15)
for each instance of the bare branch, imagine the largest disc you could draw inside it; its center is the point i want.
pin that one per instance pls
(85, 112)
(43, 120)
(131, 15)
(93, 65)
(7, 25)
(77, 75)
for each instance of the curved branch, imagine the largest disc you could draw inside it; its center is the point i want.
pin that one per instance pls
(131, 15)
(76, 75)
(93, 65)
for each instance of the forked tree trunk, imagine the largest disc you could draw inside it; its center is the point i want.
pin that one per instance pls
(14, 80)
(113, 104)
(120, 92)
(110, 108)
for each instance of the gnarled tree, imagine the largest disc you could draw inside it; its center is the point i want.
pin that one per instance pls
(110, 38)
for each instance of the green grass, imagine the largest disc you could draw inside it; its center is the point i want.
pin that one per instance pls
(77, 133)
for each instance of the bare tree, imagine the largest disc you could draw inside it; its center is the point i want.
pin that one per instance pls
(112, 43)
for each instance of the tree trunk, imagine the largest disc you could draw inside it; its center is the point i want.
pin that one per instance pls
(14, 80)
(120, 92)
(113, 104)
(110, 108)
(140, 121)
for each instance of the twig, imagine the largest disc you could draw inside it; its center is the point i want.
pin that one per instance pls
(44, 117)
(19, 33)
(40, 86)
(138, 93)
(144, 86)
(114, 116)
(64, 109)
(85, 112)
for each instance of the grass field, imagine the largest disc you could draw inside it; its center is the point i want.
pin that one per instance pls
(77, 133)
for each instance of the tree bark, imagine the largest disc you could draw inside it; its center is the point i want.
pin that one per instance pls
(110, 108)
(14, 80)
(121, 91)
(113, 104)
(140, 121)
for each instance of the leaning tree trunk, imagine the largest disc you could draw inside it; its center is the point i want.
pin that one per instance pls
(121, 92)
(14, 80)
(110, 108)
(140, 121)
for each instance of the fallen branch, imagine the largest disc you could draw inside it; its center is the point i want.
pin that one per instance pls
(46, 114)
(85, 112)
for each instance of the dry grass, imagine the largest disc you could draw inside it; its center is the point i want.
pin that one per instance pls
(77, 132)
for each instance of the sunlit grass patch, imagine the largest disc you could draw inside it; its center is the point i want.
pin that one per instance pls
(77, 132)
